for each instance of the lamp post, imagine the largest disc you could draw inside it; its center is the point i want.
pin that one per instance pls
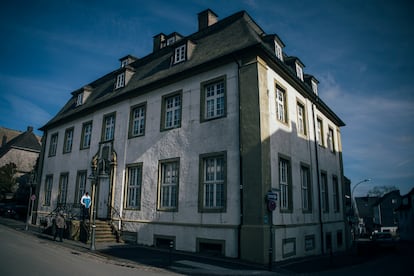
(353, 202)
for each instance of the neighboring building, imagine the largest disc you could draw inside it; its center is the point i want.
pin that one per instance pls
(365, 214)
(405, 214)
(385, 216)
(20, 148)
(192, 137)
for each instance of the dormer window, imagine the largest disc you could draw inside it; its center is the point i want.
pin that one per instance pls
(124, 63)
(180, 53)
(314, 87)
(120, 80)
(170, 40)
(79, 99)
(278, 51)
(299, 71)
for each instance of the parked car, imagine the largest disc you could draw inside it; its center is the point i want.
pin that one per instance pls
(383, 239)
(13, 210)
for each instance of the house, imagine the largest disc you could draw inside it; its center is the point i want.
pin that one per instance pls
(385, 216)
(405, 213)
(21, 149)
(365, 213)
(215, 142)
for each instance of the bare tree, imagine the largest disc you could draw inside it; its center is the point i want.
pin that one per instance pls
(381, 190)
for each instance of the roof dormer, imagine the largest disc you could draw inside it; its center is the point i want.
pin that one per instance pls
(183, 52)
(127, 60)
(161, 40)
(123, 76)
(81, 95)
(296, 65)
(312, 82)
(276, 44)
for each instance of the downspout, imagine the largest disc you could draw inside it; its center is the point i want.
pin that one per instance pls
(318, 177)
(240, 166)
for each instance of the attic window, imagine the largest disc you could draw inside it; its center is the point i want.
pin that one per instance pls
(170, 40)
(314, 87)
(79, 99)
(299, 71)
(120, 80)
(180, 53)
(278, 51)
(124, 63)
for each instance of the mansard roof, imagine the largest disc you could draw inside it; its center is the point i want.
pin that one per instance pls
(220, 43)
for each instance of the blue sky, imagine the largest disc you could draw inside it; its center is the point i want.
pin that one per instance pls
(360, 51)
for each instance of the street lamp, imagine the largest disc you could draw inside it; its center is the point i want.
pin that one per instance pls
(353, 202)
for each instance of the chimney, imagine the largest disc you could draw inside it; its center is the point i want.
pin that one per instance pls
(159, 42)
(29, 129)
(206, 18)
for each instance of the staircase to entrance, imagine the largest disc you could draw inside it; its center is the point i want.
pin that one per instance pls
(104, 232)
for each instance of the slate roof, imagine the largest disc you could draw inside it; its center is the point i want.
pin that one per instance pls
(25, 141)
(217, 44)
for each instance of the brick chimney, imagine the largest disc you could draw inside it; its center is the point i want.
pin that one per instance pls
(206, 18)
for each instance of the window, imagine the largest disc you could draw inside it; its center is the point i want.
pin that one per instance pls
(180, 53)
(306, 188)
(134, 183)
(86, 135)
(80, 186)
(301, 119)
(331, 141)
(67, 145)
(281, 105)
(320, 132)
(324, 192)
(137, 120)
(120, 80)
(299, 72)
(169, 179)
(108, 128)
(339, 238)
(171, 111)
(213, 99)
(278, 51)
(285, 184)
(79, 99)
(335, 190)
(53, 144)
(213, 182)
(315, 87)
(48, 189)
(63, 188)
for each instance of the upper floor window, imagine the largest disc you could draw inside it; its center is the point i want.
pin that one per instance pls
(171, 111)
(213, 98)
(67, 145)
(53, 144)
(213, 185)
(320, 132)
(281, 105)
(324, 192)
(137, 120)
(120, 80)
(301, 119)
(285, 184)
(48, 189)
(86, 135)
(79, 99)
(168, 185)
(108, 128)
(306, 188)
(134, 183)
(180, 53)
(299, 72)
(331, 141)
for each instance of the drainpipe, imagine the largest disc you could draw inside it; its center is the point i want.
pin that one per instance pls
(318, 174)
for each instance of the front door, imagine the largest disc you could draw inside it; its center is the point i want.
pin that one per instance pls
(102, 198)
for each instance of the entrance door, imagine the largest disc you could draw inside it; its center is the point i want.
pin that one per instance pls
(102, 198)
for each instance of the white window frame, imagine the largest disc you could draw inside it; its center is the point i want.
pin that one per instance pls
(331, 139)
(278, 51)
(169, 183)
(301, 119)
(214, 182)
(281, 105)
(180, 53)
(134, 185)
(284, 183)
(138, 115)
(67, 145)
(86, 135)
(108, 127)
(215, 100)
(79, 99)
(53, 144)
(120, 80)
(319, 125)
(299, 72)
(172, 107)
(306, 188)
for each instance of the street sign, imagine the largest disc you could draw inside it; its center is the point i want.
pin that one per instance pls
(33, 198)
